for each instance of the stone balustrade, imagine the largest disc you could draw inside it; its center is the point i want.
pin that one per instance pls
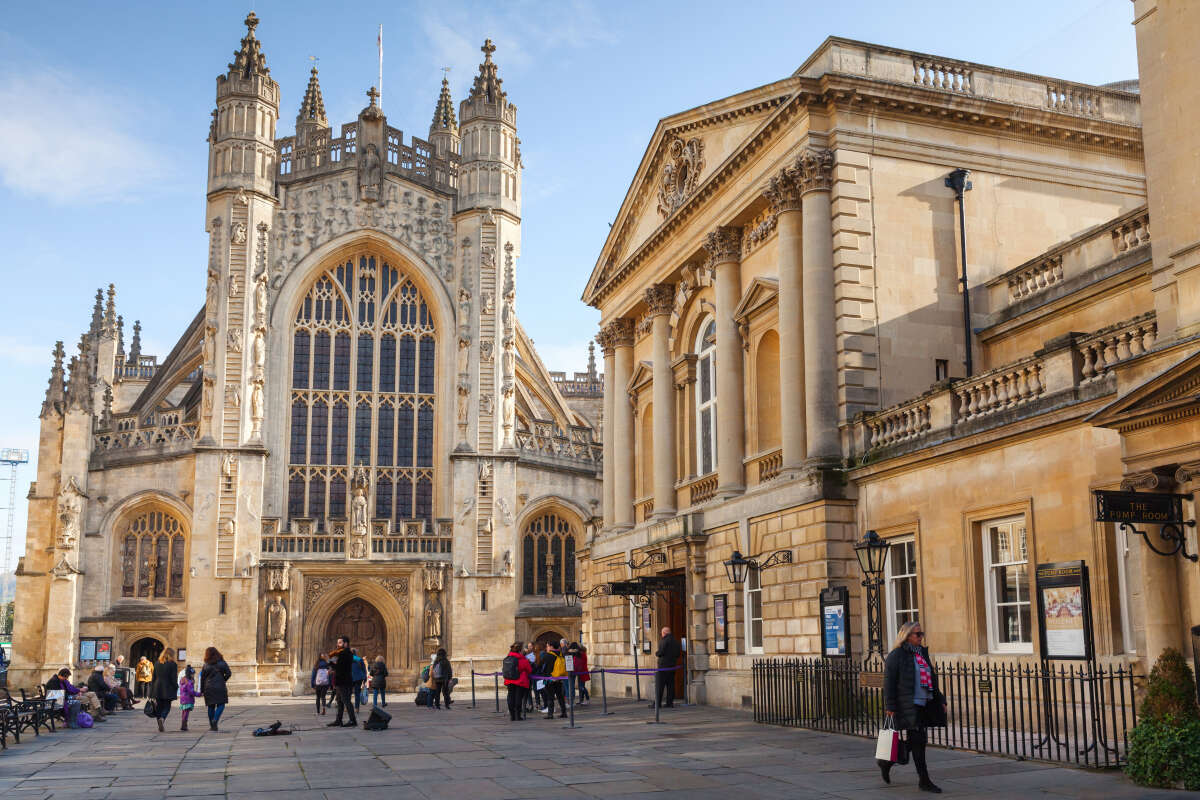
(1096, 247)
(844, 57)
(899, 423)
(126, 433)
(305, 539)
(1000, 389)
(643, 509)
(1067, 365)
(1110, 346)
(325, 154)
(544, 439)
(766, 465)
(702, 488)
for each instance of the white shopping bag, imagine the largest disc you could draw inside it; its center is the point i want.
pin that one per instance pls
(887, 745)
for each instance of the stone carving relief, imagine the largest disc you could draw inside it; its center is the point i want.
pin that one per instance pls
(64, 568)
(237, 233)
(233, 397)
(435, 577)
(235, 340)
(433, 619)
(485, 470)
(487, 303)
(486, 348)
(486, 403)
(235, 283)
(506, 515)
(464, 409)
(70, 514)
(257, 409)
(277, 576)
(680, 174)
(506, 568)
(464, 511)
(314, 215)
(370, 176)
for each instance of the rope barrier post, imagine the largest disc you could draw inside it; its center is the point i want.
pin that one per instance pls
(571, 688)
(472, 685)
(603, 693)
(637, 675)
(496, 681)
(657, 699)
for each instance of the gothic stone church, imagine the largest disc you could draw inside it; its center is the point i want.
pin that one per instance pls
(353, 435)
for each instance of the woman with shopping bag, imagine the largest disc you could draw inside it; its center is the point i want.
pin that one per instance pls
(913, 702)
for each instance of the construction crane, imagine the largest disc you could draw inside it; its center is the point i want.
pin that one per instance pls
(12, 458)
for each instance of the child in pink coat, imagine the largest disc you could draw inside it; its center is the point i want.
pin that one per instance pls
(187, 694)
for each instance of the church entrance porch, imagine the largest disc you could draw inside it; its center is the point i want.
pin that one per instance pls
(147, 646)
(362, 624)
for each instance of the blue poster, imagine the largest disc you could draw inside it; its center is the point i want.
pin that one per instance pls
(834, 626)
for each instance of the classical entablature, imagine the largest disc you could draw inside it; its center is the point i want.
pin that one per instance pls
(851, 77)
(1168, 397)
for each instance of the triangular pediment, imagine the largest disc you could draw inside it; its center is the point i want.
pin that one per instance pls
(1172, 394)
(643, 373)
(761, 292)
(683, 154)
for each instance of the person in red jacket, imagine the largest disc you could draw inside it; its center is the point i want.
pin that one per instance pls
(516, 670)
(582, 675)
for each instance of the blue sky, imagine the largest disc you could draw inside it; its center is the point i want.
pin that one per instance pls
(105, 110)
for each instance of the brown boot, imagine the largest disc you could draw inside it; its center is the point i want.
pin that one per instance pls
(160, 724)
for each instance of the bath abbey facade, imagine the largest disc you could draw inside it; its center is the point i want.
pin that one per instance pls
(353, 436)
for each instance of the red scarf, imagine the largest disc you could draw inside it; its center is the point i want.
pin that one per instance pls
(925, 674)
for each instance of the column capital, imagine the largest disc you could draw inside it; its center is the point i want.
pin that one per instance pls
(618, 333)
(815, 168)
(660, 299)
(784, 190)
(724, 245)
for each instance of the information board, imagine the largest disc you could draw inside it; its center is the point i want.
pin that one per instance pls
(835, 622)
(720, 630)
(1065, 611)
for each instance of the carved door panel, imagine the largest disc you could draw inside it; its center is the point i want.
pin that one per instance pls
(363, 624)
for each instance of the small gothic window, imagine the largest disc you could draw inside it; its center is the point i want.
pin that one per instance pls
(548, 556)
(152, 556)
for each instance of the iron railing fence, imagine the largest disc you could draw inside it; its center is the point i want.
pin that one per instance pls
(1077, 713)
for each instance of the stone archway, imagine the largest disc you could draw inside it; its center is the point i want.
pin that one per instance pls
(363, 624)
(147, 646)
(327, 598)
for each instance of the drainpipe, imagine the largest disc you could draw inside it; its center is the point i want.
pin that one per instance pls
(957, 180)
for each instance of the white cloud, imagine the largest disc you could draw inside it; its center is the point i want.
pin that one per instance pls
(44, 153)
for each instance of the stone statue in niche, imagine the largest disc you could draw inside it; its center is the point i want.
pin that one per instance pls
(256, 409)
(506, 517)
(485, 470)
(212, 292)
(507, 568)
(358, 516)
(486, 404)
(235, 340)
(464, 352)
(70, 514)
(433, 621)
(276, 624)
(237, 234)
(235, 284)
(258, 353)
(370, 177)
(228, 466)
(464, 394)
(488, 257)
(210, 351)
(233, 397)
(488, 303)
(508, 409)
(464, 307)
(260, 299)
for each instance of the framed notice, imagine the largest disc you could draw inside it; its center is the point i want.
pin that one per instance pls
(720, 630)
(181, 655)
(647, 636)
(87, 650)
(104, 649)
(1065, 610)
(835, 622)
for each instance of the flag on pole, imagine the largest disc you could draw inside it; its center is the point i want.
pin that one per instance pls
(379, 42)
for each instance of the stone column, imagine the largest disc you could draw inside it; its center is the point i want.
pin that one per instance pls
(784, 193)
(1159, 574)
(724, 246)
(621, 333)
(660, 299)
(820, 339)
(607, 423)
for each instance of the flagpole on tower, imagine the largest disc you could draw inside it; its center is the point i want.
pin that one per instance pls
(380, 43)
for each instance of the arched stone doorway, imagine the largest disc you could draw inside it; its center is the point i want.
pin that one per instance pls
(549, 637)
(363, 624)
(147, 646)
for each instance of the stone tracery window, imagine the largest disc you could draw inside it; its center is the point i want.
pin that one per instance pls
(548, 556)
(363, 369)
(152, 556)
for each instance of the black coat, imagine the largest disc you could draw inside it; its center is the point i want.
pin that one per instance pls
(668, 652)
(212, 683)
(342, 662)
(899, 686)
(378, 676)
(165, 685)
(96, 683)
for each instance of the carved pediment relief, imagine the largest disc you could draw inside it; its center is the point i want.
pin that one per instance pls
(680, 173)
(1171, 395)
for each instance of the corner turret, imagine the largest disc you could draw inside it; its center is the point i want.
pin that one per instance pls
(490, 173)
(241, 149)
(443, 131)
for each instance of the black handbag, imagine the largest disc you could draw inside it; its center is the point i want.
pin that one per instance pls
(151, 707)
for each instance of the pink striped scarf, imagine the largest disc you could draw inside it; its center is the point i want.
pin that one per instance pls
(926, 676)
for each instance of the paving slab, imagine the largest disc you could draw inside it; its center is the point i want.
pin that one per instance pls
(699, 753)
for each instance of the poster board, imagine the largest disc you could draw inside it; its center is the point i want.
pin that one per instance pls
(835, 622)
(1064, 605)
(720, 626)
(95, 650)
(647, 636)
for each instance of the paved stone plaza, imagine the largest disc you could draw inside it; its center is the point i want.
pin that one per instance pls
(478, 755)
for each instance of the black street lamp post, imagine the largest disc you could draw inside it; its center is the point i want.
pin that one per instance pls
(738, 567)
(872, 557)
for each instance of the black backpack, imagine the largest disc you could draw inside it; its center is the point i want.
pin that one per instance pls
(511, 671)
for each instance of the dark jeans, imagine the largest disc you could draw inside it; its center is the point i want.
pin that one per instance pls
(358, 694)
(345, 702)
(143, 688)
(555, 690)
(516, 696)
(916, 747)
(214, 713)
(584, 694)
(163, 708)
(322, 698)
(378, 697)
(440, 691)
(665, 682)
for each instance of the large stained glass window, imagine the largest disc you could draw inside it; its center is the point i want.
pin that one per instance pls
(152, 556)
(364, 358)
(548, 556)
